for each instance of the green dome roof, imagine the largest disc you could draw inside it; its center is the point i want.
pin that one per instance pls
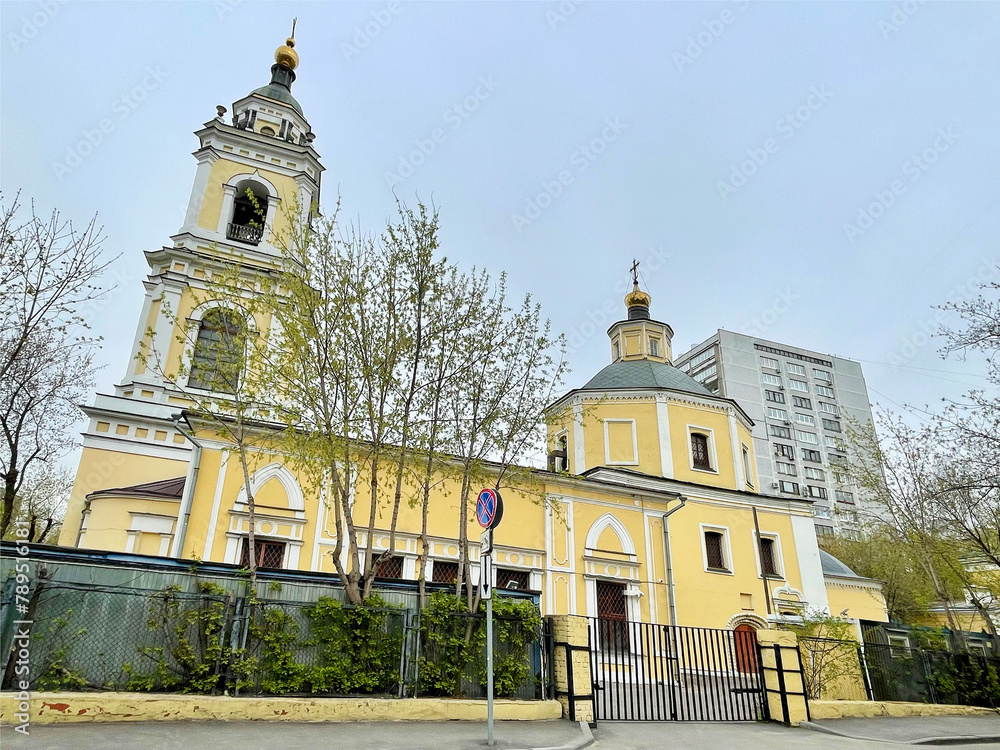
(834, 567)
(279, 93)
(645, 373)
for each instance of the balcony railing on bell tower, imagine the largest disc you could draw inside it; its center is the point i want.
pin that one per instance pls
(245, 233)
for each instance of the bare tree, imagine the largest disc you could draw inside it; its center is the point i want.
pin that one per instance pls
(48, 274)
(41, 504)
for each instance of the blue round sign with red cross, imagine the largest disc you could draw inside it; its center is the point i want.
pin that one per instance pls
(489, 508)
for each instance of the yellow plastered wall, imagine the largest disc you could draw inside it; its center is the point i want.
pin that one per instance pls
(746, 438)
(111, 517)
(222, 171)
(687, 417)
(103, 469)
(710, 599)
(861, 603)
(615, 420)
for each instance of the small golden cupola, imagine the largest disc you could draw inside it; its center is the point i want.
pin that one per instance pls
(639, 336)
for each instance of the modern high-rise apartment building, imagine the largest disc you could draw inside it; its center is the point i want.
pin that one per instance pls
(801, 402)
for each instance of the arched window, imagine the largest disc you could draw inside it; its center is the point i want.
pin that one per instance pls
(249, 213)
(218, 352)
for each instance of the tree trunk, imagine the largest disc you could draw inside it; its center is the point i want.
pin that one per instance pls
(251, 521)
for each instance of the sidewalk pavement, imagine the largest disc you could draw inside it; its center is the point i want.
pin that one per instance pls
(241, 735)
(916, 730)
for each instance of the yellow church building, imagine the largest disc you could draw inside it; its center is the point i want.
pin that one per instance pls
(652, 507)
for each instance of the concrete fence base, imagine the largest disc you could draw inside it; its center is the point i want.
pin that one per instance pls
(869, 709)
(58, 708)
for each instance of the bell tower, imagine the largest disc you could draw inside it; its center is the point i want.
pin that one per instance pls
(256, 170)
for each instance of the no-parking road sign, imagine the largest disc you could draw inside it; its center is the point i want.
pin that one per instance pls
(489, 508)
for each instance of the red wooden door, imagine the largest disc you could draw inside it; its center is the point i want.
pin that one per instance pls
(746, 649)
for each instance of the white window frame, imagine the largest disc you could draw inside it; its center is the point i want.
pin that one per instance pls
(831, 393)
(806, 442)
(795, 369)
(775, 413)
(779, 560)
(828, 408)
(769, 362)
(747, 464)
(803, 385)
(808, 419)
(822, 376)
(727, 553)
(712, 455)
(770, 379)
(818, 474)
(607, 444)
(779, 464)
(654, 347)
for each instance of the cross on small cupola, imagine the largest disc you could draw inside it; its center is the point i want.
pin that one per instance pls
(639, 336)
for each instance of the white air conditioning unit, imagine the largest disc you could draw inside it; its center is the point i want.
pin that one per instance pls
(805, 492)
(788, 421)
(781, 387)
(775, 485)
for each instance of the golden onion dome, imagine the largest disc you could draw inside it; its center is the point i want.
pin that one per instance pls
(637, 297)
(286, 55)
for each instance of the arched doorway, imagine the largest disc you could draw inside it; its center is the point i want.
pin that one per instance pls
(745, 637)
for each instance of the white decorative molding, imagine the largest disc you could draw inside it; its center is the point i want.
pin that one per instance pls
(609, 521)
(296, 501)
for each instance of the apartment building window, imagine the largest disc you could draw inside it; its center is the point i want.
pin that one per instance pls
(769, 557)
(806, 437)
(802, 403)
(812, 473)
(806, 419)
(770, 379)
(819, 492)
(769, 362)
(776, 397)
(787, 469)
(792, 488)
(828, 408)
(840, 478)
(831, 424)
(707, 374)
(795, 369)
(785, 451)
(781, 432)
(832, 441)
(822, 530)
(821, 375)
(810, 455)
(701, 357)
(699, 451)
(823, 390)
(798, 385)
(844, 497)
(821, 512)
(777, 413)
(715, 551)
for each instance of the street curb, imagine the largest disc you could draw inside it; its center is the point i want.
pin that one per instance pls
(588, 739)
(972, 739)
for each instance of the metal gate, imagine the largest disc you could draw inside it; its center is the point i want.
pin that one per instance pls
(646, 672)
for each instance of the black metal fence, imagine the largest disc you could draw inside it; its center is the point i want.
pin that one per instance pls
(647, 672)
(118, 638)
(897, 673)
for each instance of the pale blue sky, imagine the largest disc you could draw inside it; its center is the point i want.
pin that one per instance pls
(837, 101)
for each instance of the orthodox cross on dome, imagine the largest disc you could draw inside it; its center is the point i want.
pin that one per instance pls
(294, 21)
(635, 272)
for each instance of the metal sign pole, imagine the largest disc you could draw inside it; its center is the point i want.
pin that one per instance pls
(489, 511)
(489, 670)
